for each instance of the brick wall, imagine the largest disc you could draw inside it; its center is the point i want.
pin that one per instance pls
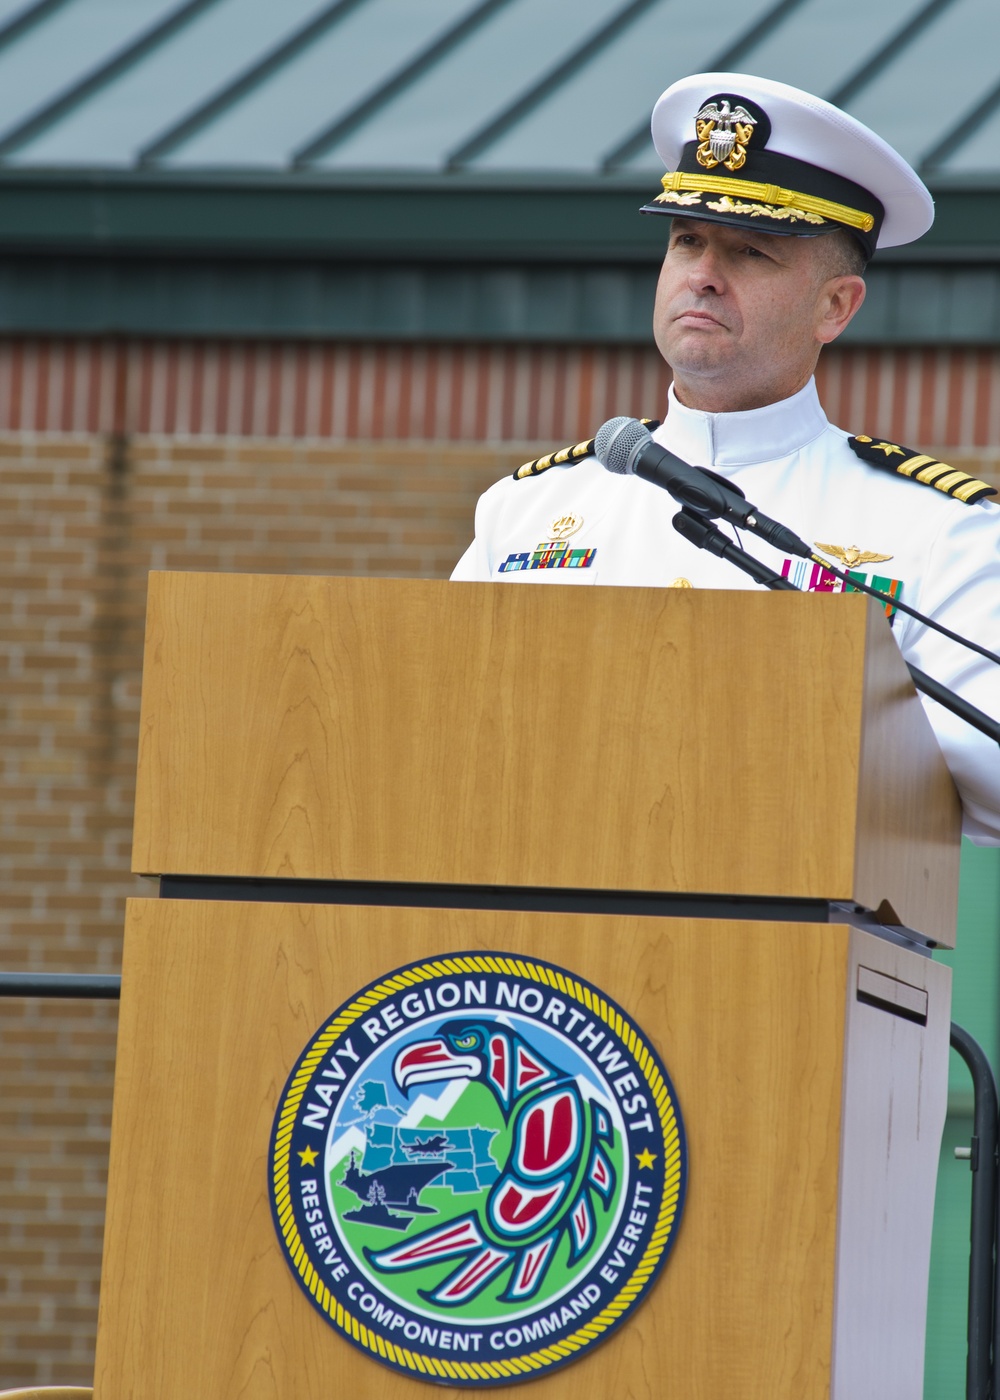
(448, 392)
(82, 520)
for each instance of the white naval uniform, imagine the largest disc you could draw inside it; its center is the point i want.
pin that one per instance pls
(795, 466)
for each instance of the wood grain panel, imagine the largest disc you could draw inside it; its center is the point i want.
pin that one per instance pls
(611, 738)
(220, 999)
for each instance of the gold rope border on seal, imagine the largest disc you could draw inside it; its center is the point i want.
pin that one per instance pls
(769, 194)
(583, 1336)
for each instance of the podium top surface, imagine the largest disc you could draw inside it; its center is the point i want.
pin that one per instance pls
(710, 742)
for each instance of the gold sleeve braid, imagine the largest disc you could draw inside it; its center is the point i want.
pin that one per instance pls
(569, 455)
(918, 466)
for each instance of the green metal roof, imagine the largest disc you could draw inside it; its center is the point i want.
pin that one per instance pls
(466, 85)
(196, 167)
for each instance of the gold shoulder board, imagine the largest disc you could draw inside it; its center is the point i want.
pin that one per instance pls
(569, 455)
(903, 461)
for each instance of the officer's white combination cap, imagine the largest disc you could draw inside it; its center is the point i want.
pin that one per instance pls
(760, 154)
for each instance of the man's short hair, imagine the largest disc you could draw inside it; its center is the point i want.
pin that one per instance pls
(845, 256)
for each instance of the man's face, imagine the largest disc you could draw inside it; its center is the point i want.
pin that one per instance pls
(741, 316)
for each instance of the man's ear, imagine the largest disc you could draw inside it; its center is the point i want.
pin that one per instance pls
(839, 302)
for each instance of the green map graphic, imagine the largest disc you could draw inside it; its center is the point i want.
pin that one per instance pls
(468, 1149)
(478, 1143)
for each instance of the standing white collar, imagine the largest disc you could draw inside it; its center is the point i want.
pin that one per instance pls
(741, 439)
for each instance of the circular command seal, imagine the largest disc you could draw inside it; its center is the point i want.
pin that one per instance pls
(477, 1168)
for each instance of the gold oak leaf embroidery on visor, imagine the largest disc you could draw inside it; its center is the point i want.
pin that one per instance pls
(725, 205)
(674, 197)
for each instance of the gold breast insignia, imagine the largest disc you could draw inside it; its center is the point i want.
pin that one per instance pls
(850, 555)
(564, 526)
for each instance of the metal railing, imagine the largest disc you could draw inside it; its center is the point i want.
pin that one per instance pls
(983, 1252)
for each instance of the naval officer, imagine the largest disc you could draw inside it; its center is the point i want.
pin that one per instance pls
(776, 202)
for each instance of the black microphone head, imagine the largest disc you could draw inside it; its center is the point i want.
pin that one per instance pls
(617, 442)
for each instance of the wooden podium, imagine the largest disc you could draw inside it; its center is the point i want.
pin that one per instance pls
(697, 801)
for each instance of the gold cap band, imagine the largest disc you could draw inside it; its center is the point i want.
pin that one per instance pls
(769, 194)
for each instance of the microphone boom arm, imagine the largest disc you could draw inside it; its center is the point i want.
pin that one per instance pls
(701, 533)
(626, 447)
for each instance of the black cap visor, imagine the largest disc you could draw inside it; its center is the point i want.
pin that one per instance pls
(772, 192)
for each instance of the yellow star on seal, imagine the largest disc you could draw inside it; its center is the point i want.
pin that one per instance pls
(645, 1158)
(308, 1156)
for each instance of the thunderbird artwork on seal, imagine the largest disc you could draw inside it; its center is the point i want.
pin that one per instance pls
(478, 1168)
(555, 1174)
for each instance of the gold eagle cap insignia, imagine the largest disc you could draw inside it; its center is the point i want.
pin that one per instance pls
(723, 135)
(850, 555)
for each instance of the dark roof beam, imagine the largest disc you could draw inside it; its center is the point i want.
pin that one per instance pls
(27, 18)
(957, 135)
(390, 87)
(100, 76)
(722, 63)
(532, 96)
(891, 49)
(227, 96)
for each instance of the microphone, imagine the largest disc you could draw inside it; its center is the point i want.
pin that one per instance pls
(624, 446)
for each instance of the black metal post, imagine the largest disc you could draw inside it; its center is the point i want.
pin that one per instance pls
(60, 984)
(983, 1222)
